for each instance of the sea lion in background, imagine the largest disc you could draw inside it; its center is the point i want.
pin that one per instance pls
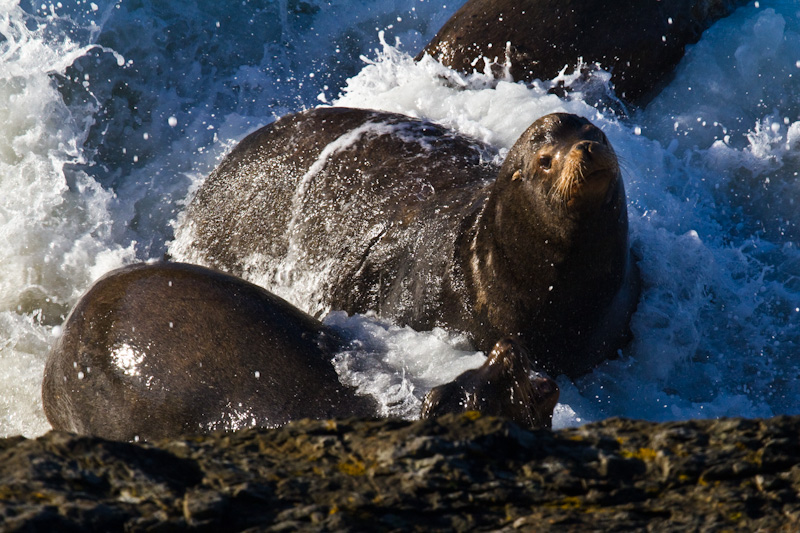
(640, 42)
(365, 210)
(501, 387)
(161, 350)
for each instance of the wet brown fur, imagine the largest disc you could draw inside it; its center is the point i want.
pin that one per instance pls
(502, 386)
(409, 220)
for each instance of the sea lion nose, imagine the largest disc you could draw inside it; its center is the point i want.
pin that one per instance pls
(585, 148)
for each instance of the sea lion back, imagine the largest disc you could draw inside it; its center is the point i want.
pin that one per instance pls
(331, 205)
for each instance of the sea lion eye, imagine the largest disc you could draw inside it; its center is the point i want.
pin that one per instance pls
(545, 161)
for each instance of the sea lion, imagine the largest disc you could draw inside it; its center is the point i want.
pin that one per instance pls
(362, 211)
(161, 350)
(640, 43)
(502, 386)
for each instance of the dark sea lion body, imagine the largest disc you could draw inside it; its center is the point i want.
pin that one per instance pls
(160, 350)
(502, 386)
(399, 216)
(639, 42)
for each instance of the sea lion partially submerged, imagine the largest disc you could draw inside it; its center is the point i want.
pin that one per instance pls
(502, 386)
(365, 210)
(161, 350)
(640, 42)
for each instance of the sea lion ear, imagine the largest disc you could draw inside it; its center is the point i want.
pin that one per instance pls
(516, 175)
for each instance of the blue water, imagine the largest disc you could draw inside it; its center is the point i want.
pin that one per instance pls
(112, 113)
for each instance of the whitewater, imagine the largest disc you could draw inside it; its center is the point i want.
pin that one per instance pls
(113, 112)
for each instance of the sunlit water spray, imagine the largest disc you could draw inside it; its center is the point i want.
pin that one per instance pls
(112, 113)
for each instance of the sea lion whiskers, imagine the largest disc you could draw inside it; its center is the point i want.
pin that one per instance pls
(584, 160)
(567, 182)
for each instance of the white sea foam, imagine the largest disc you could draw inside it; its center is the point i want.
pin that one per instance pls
(398, 365)
(54, 219)
(110, 116)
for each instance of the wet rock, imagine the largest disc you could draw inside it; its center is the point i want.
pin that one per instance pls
(456, 473)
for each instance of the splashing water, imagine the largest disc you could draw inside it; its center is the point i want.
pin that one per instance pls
(111, 113)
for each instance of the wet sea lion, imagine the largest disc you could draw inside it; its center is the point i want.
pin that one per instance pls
(640, 43)
(502, 386)
(362, 210)
(160, 350)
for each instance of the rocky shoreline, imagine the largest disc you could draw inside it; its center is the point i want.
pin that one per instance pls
(456, 473)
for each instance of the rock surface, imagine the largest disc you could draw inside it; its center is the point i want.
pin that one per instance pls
(459, 472)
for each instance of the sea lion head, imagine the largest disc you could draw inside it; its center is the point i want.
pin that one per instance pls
(502, 386)
(563, 162)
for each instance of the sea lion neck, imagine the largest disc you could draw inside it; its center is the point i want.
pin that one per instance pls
(501, 264)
